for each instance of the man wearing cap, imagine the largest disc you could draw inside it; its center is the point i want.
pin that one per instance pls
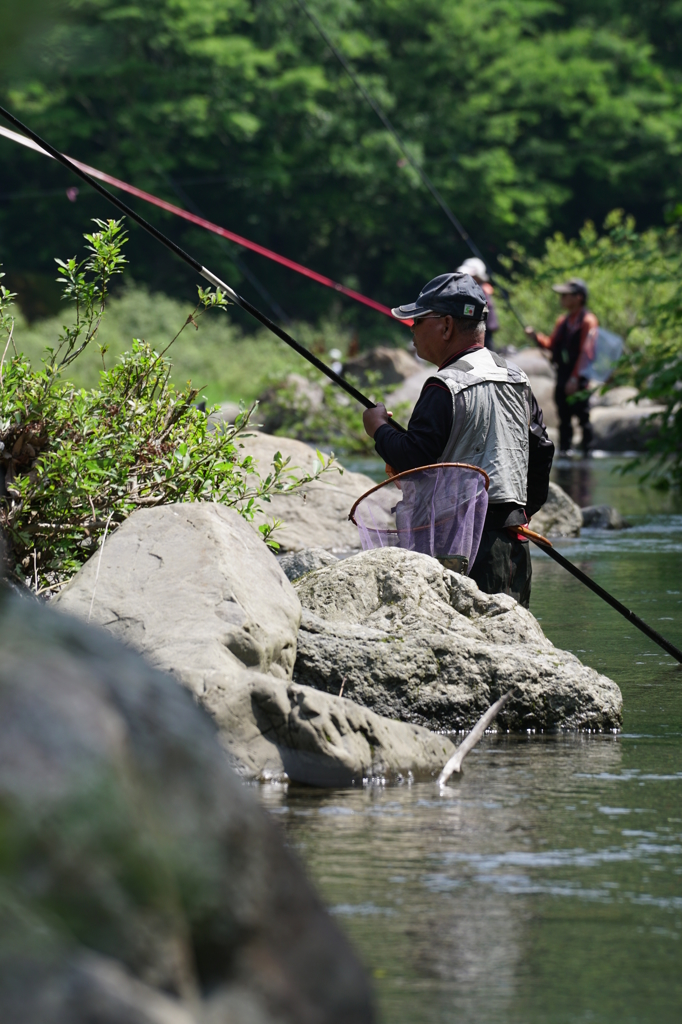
(477, 408)
(478, 270)
(572, 344)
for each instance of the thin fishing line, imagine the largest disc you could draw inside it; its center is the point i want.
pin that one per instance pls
(426, 180)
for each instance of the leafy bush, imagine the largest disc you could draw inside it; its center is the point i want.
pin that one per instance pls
(635, 282)
(77, 462)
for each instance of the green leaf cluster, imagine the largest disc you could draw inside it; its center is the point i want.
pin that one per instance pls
(78, 461)
(529, 116)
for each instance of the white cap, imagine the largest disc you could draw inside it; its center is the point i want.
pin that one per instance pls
(474, 267)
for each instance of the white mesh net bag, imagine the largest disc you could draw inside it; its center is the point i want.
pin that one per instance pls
(437, 510)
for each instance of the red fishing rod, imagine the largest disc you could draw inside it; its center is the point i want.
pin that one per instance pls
(203, 271)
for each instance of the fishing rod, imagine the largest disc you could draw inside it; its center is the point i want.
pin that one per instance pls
(207, 225)
(204, 272)
(546, 546)
(425, 179)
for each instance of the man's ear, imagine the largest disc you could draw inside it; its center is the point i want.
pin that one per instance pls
(449, 328)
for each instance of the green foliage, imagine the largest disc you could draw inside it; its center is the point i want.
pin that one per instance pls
(528, 116)
(77, 462)
(635, 282)
(221, 359)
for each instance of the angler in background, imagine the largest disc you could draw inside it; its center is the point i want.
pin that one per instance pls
(477, 269)
(478, 409)
(572, 344)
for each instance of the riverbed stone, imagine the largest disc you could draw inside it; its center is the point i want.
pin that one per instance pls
(602, 517)
(316, 516)
(277, 732)
(141, 881)
(417, 642)
(193, 588)
(298, 563)
(560, 516)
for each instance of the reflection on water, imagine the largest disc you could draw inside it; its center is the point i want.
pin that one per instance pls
(546, 885)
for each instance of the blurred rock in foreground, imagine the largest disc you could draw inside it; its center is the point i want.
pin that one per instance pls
(141, 881)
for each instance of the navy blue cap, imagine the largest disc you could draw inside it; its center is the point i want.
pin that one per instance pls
(449, 294)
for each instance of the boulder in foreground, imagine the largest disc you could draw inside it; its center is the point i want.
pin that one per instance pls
(141, 882)
(195, 589)
(417, 642)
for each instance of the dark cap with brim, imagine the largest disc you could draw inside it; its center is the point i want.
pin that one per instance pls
(449, 295)
(574, 286)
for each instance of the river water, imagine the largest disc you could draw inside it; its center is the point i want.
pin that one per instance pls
(546, 884)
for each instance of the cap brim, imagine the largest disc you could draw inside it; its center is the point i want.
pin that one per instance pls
(410, 311)
(567, 289)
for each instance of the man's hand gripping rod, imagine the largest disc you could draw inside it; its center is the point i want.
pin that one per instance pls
(233, 296)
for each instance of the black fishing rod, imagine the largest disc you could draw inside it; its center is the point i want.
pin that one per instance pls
(204, 272)
(546, 546)
(425, 179)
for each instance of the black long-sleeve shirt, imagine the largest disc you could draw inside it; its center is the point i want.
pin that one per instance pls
(428, 433)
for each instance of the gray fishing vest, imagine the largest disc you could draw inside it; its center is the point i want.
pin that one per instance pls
(491, 417)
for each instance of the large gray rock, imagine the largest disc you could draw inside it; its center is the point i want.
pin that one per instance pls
(625, 428)
(602, 517)
(140, 881)
(417, 642)
(317, 515)
(194, 589)
(387, 366)
(559, 516)
(275, 731)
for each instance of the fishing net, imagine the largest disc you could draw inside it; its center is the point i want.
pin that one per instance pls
(607, 351)
(437, 510)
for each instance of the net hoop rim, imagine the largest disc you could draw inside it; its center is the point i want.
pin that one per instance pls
(417, 469)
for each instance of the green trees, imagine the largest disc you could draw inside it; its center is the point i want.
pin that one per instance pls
(527, 116)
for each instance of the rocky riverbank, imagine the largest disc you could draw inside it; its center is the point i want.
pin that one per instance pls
(354, 673)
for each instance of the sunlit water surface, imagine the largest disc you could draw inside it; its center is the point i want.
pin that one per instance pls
(546, 884)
